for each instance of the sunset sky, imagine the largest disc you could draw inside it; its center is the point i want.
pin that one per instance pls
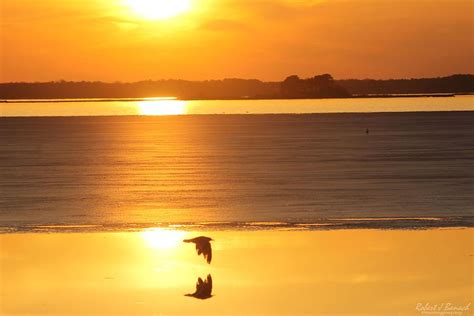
(130, 40)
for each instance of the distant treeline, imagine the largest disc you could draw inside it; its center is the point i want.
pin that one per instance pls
(321, 86)
(451, 84)
(182, 89)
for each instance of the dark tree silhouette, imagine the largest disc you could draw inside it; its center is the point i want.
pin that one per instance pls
(321, 86)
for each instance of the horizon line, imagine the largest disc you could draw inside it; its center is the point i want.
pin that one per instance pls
(222, 79)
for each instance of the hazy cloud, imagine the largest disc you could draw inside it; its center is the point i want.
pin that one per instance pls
(224, 25)
(265, 39)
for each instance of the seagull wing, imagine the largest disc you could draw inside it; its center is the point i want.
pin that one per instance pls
(203, 246)
(207, 252)
(205, 249)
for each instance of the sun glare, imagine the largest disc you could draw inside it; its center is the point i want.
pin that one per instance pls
(157, 238)
(158, 9)
(162, 107)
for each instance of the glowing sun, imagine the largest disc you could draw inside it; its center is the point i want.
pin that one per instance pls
(158, 9)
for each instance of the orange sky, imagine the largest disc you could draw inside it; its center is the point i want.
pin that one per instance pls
(265, 39)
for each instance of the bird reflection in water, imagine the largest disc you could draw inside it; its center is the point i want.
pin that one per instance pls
(203, 289)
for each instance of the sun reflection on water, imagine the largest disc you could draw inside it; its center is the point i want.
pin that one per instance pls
(157, 238)
(162, 107)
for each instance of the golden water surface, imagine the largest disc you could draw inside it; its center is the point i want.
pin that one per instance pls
(358, 272)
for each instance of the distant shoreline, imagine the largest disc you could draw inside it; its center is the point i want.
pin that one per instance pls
(328, 224)
(151, 99)
(293, 87)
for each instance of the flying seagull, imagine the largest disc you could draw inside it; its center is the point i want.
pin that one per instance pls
(203, 289)
(203, 246)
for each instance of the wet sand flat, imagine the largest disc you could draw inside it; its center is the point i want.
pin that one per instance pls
(269, 272)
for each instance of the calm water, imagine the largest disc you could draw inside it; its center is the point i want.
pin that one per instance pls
(178, 107)
(145, 170)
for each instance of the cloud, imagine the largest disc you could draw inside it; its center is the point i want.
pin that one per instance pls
(302, 3)
(223, 25)
(271, 10)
